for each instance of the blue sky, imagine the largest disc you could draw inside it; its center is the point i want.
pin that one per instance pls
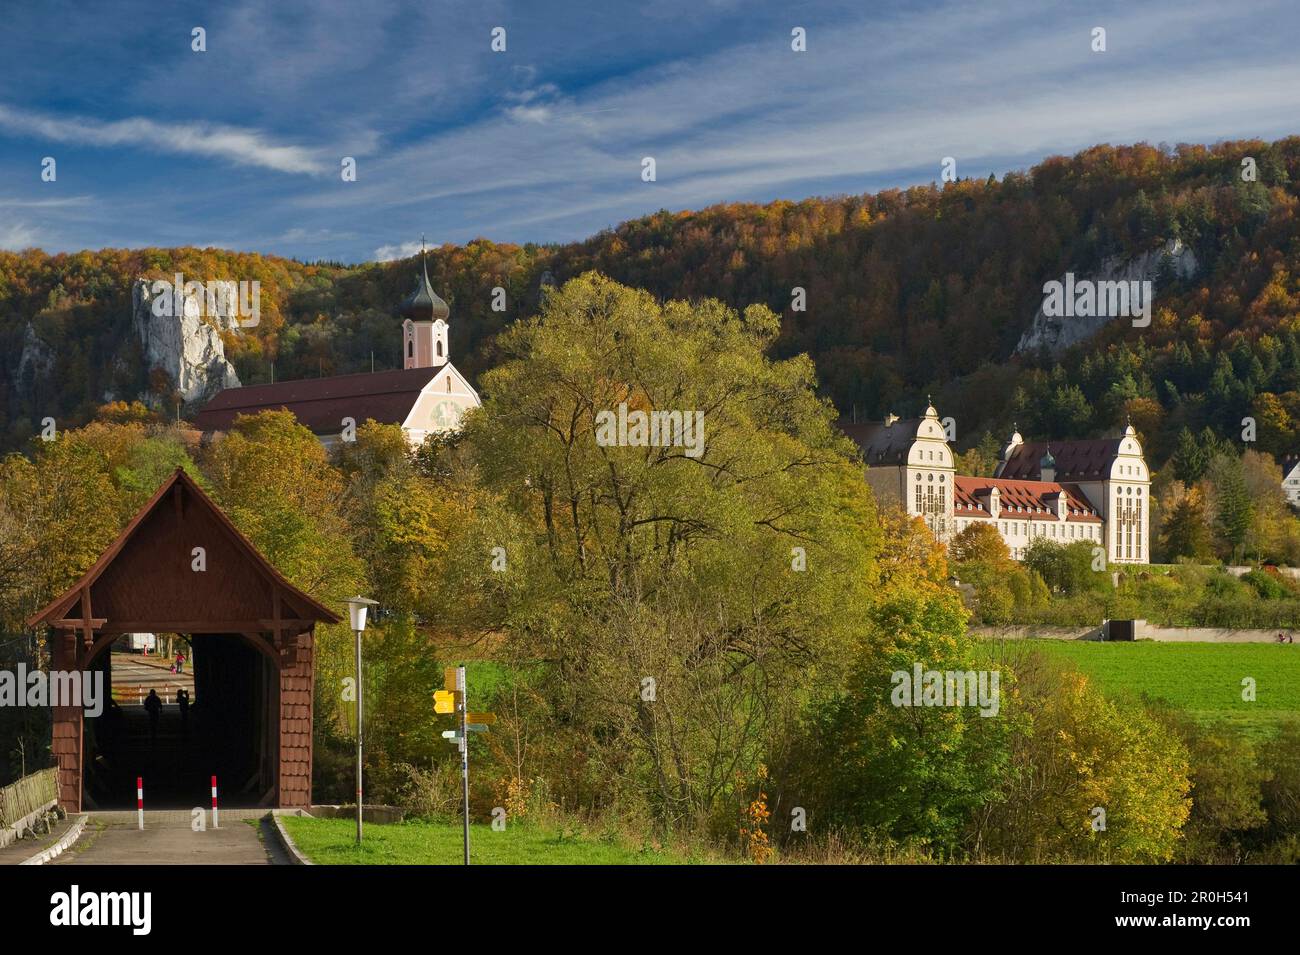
(240, 146)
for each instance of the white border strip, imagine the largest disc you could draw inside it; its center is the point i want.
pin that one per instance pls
(295, 854)
(67, 839)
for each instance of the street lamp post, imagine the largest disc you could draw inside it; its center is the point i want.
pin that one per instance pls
(357, 607)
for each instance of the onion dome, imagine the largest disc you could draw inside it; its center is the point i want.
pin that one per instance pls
(424, 305)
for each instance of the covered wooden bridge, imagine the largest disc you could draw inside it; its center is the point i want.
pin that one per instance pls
(181, 566)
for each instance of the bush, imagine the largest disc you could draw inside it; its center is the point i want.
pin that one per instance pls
(433, 793)
(1084, 753)
(1227, 796)
(1267, 585)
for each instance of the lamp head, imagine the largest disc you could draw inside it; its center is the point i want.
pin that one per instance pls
(357, 607)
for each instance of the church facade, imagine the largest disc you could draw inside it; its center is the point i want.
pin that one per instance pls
(1064, 491)
(1291, 479)
(426, 396)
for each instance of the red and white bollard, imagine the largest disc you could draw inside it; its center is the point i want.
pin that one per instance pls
(215, 824)
(139, 799)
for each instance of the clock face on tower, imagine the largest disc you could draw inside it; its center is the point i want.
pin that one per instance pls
(446, 414)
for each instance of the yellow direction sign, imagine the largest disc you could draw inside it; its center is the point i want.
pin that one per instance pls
(487, 719)
(444, 701)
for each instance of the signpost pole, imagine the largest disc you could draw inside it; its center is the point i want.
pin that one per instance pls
(358, 737)
(463, 709)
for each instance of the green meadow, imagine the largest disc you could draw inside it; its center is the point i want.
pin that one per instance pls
(1204, 679)
(423, 842)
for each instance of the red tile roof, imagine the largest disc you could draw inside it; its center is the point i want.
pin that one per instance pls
(322, 403)
(1026, 500)
(1075, 460)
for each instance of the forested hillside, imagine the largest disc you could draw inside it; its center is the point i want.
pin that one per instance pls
(908, 292)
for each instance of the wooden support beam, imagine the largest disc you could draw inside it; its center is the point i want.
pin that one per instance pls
(276, 624)
(87, 624)
(76, 623)
(199, 626)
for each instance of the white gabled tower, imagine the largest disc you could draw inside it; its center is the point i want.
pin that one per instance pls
(928, 475)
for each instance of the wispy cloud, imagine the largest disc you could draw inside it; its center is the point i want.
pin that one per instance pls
(63, 202)
(245, 147)
(401, 250)
(15, 236)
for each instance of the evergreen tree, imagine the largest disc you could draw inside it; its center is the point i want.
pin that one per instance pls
(1190, 458)
(1186, 532)
(1235, 508)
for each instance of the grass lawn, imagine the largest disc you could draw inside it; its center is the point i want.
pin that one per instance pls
(419, 842)
(1204, 679)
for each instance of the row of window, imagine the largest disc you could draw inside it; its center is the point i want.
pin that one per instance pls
(1067, 531)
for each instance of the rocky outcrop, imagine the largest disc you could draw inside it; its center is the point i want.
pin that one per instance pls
(175, 339)
(1056, 333)
(35, 362)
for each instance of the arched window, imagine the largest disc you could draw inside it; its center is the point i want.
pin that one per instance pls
(440, 349)
(449, 384)
(410, 349)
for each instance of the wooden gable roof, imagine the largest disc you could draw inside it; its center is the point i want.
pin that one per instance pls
(143, 580)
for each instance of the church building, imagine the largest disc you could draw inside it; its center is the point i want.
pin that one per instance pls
(427, 395)
(1094, 490)
(1291, 479)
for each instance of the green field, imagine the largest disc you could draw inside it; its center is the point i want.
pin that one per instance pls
(419, 842)
(1204, 679)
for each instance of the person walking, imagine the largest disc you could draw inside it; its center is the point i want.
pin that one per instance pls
(180, 662)
(153, 706)
(183, 701)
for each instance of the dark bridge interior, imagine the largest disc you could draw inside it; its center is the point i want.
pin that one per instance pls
(230, 731)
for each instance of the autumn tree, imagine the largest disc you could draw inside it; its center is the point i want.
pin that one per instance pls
(681, 591)
(1084, 754)
(1186, 531)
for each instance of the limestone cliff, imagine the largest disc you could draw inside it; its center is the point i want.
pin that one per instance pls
(35, 362)
(178, 341)
(1057, 333)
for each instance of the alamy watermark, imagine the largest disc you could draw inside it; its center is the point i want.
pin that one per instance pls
(921, 687)
(1090, 298)
(131, 910)
(654, 429)
(36, 688)
(238, 301)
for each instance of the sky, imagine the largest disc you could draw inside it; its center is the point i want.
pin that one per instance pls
(242, 145)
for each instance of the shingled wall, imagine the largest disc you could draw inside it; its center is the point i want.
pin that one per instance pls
(296, 665)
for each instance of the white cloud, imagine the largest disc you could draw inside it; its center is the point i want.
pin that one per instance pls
(245, 147)
(16, 236)
(402, 250)
(66, 202)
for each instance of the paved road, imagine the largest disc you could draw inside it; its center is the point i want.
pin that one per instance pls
(133, 679)
(112, 838)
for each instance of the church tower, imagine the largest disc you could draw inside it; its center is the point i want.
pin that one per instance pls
(424, 324)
